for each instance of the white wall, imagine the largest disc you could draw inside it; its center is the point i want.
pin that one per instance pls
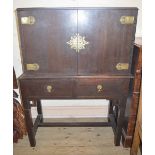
(71, 3)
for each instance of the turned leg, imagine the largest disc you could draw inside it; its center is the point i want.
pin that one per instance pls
(39, 110)
(120, 121)
(29, 123)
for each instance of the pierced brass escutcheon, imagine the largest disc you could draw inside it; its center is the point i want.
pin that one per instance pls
(127, 19)
(32, 67)
(49, 88)
(30, 20)
(77, 42)
(122, 66)
(99, 88)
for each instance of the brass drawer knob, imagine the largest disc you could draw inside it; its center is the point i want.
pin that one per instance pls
(99, 88)
(49, 89)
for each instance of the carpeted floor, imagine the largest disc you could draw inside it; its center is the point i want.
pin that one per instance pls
(72, 141)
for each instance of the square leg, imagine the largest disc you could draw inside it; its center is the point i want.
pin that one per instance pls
(39, 110)
(120, 120)
(29, 123)
(110, 111)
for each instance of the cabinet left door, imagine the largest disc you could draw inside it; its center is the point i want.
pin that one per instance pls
(43, 35)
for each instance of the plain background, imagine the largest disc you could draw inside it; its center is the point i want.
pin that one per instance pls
(6, 64)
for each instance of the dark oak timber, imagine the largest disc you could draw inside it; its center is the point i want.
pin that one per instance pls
(39, 110)
(120, 121)
(109, 41)
(75, 124)
(67, 73)
(130, 121)
(30, 127)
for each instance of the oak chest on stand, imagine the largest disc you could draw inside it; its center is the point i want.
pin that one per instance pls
(76, 53)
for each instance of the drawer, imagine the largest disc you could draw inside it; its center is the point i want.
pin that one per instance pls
(46, 88)
(102, 88)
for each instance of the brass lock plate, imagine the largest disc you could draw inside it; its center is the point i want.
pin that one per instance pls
(77, 42)
(127, 19)
(122, 66)
(32, 67)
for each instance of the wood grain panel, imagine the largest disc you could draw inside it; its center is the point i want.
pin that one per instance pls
(44, 42)
(38, 88)
(112, 88)
(110, 42)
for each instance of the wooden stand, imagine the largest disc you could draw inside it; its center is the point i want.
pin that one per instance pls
(32, 128)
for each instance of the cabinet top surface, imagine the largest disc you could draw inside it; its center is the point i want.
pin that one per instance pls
(75, 8)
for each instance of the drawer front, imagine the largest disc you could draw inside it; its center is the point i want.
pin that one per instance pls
(53, 88)
(102, 88)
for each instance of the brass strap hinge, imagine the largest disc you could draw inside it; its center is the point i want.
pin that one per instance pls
(32, 67)
(30, 20)
(127, 19)
(122, 66)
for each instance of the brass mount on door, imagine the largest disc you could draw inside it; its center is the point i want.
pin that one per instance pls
(77, 42)
(29, 20)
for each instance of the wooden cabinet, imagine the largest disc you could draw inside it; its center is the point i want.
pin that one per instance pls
(76, 53)
(137, 137)
(133, 98)
(108, 41)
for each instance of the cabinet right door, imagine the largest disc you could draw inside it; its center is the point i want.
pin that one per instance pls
(110, 42)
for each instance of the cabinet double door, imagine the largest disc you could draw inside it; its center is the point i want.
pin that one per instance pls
(76, 41)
